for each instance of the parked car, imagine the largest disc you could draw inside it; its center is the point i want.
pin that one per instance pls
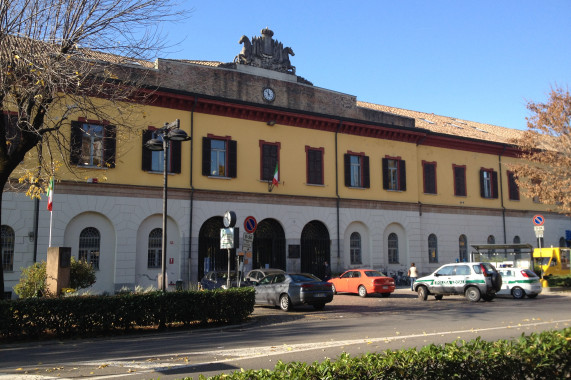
(473, 280)
(256, 275)
(363, 282)
(519, 282)
(217, 279)
(288, 290)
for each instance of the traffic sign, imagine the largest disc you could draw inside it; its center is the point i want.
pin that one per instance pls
(539, 228)
(538, 220)
(250, 224)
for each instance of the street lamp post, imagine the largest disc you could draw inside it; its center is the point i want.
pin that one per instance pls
(170, 132)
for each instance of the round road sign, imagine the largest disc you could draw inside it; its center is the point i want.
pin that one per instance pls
(538, 220)
(250, 224)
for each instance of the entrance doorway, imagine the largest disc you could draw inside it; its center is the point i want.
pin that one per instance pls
(315, 248)
(269, 245)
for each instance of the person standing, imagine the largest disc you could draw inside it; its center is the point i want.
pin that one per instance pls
(326, 271)
(412, 274)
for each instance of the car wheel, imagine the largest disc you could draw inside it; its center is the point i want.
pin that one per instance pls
(422, 293)
(385, 295)
(285, 303)
(362, 291)
(472, 294)
(518, 293)
(531, 295)
(319, 306)
(439, 296)
(333, 289)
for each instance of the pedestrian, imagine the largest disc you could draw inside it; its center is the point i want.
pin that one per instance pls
(412, 274)
(326, 271)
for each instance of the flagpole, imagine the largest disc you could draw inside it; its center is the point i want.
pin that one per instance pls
(51, 220)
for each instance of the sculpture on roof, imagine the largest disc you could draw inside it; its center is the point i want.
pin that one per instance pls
(265, 52)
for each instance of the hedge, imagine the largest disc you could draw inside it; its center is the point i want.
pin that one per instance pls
(80, 316)
(558, 281)
(546, 355)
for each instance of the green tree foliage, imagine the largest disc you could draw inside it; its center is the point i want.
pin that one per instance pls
(33, 280)
(546, 147)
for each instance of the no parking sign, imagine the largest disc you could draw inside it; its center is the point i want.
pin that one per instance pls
(250, 224)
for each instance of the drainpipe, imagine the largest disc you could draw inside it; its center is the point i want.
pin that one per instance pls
(501, 185)
(191, 188)
(337, 192)
(36, 218)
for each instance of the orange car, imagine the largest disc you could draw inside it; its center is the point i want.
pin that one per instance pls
(363, 282)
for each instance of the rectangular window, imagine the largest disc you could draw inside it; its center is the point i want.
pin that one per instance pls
(429, 177)
(219, 156)
(92, 144)
(269, 161)
(488, 183)
(394, 174)
(357, 170)
(314, 165)
(153, 160)
(459, 180)
(513, 187)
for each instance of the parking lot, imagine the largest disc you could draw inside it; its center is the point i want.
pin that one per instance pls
(402, 301)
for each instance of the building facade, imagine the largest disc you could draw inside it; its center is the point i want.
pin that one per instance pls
(358, 184)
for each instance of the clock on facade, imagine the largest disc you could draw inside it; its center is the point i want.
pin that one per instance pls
(269, 94)
(229, 219)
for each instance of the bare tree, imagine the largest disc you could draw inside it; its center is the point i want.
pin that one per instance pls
(56, 57)
(546, 146)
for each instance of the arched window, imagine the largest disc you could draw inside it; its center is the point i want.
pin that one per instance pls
(89, 242)
(517, 240)
(7, 248)
(491, 240)
(432, 249)
(463, 248)
(155, 256)
(355, 248)
(393, 241)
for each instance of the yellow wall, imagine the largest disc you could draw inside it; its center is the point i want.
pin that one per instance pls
(293, 141)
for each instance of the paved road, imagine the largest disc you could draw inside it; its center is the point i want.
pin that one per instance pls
(348, 324)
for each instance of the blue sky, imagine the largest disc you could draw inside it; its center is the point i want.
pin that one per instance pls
(475, 60)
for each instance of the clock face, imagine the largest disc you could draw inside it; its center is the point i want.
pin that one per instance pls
(269, 94)
(229, 219)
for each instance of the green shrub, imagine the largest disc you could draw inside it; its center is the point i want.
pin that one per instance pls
(558, 281)
(33, 279)
(82, 316)
(538, 356)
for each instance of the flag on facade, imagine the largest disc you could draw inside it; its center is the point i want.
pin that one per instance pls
(50, 193)
(275, 179)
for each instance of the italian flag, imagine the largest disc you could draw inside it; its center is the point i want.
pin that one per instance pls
(50, 193)
(275, 179)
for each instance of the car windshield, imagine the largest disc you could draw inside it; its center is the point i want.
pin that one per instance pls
(303, 277)
(373, 273)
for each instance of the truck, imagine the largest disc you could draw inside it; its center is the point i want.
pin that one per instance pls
(551, 261)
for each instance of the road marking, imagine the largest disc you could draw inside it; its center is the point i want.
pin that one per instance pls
(155, 363)
(263, 351)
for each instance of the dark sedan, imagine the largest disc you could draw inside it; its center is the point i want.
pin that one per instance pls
(218, 279)
(288, 290)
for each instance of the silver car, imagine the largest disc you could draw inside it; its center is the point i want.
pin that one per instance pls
(255, 275)
(288, 290)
